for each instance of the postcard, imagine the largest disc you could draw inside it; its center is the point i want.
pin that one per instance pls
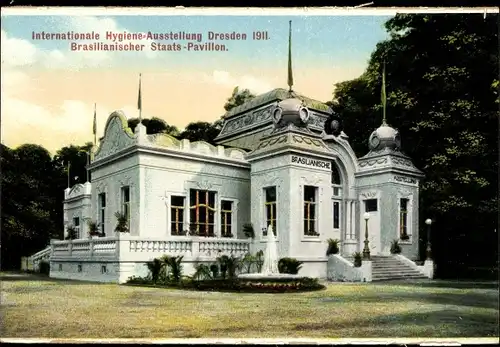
(279, 175)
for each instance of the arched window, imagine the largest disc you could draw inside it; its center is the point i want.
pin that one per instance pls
(337, 195)
(336, 180)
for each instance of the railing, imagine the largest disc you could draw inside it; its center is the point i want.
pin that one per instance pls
(35, 259)
(133, 248)
(105, 246)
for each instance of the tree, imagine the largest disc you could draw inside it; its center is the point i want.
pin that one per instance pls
(29, 204)
(201, 131)
(154, 126)
(77, 157)
(238, 98)
(441, 73)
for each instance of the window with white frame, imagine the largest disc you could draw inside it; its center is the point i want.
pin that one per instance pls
(310, 211)
(226, 218)
(336, 214)
(202, 212)
(336, 179)
(270, 209)
(125, 198)
(403, 219)
(177, 215)
(371, 205)
(76, 225)
(102, 212)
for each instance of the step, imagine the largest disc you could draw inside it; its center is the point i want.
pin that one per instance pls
(397, 278)
(377, 276)
(395, 271)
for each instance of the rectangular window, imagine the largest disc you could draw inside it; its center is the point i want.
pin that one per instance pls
(102, 211)
(371, 205)
(310, 211)
(79, 268)
(177, 215)
(126, 203)
(104, 269)
(76, 224)
(336, 215)
(202, 212)
(226, 218)
(403, 219)
(270, 206)
(60, 267)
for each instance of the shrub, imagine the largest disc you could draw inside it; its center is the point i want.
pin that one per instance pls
(44, 267)
(395, 247)
(155, 268)
(333, 247)
(259, 260)
(174, 264)
(214, 269)
(93, 228)
(71, 232)
(202, 272)
(247, 262)
(222, 261)
(358, 259)
(289, 266)
(121, 222)
(248, 230)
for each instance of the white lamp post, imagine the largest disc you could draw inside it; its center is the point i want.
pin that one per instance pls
(366, 249)
(428, 221)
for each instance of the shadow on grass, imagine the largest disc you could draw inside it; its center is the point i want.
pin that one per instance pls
(453, 284)
(36, 277)
(487, 300)
(460, 324)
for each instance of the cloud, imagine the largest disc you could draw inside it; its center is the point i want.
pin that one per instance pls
(20, 52)
(17, 52)
(254, 84)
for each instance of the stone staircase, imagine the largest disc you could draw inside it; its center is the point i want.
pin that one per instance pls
(385, 268)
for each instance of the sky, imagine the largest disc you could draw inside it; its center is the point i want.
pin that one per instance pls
(48, 91)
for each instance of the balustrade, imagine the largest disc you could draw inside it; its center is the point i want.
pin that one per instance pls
(126, 246)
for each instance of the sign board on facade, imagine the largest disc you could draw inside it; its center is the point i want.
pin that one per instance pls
(311, 162)
(405, 179)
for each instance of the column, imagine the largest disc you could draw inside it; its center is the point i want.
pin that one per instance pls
(347, 217)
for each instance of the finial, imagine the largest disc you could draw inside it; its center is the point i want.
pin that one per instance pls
(384, 96)
(94, 125)
(139, 101)
(290, 74)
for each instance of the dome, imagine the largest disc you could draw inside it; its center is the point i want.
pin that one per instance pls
(333, 125)
(384, 137)
(291, 111)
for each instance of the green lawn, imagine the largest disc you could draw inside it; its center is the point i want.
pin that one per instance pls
(40, 307)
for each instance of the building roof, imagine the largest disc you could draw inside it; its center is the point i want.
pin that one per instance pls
(277, 94)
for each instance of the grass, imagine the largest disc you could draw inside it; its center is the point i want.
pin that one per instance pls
(35, 306)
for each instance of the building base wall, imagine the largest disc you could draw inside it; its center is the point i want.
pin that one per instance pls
(120, 272)
(85, 271)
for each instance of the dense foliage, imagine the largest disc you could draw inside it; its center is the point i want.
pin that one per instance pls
(442, 90)
(222, 275)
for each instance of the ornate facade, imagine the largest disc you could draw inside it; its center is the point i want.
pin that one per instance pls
(282, 160)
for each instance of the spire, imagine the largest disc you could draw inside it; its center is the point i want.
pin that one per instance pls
(384, 96)
(94, 126)
(139, 101)
(290, 75)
